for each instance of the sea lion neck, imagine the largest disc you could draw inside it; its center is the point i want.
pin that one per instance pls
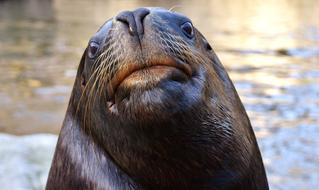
(153, 108)
(144, 151)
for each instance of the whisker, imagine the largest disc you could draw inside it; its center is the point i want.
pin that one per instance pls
(175, 6)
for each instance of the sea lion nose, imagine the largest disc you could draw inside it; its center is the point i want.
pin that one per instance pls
(134, 20)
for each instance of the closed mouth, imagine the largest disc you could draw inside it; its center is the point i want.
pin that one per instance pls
(130, 69)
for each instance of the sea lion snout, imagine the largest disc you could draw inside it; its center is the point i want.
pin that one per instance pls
(134, 20)
(146, 57)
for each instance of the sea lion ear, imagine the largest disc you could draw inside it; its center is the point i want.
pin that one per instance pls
(78, 87)
(80, 73)
(207, 46)
(82, 63)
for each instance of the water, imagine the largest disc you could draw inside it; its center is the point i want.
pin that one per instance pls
(270, 50)
(25, 161)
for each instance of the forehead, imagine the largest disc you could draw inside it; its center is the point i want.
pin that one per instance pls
(166, 15)
(104, 29)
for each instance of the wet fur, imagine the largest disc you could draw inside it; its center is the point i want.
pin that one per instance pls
(198, 144)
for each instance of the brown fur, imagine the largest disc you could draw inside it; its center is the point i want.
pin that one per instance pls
(183, 134)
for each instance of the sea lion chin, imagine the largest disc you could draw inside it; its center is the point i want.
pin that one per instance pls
(152, 107)
(139, 84)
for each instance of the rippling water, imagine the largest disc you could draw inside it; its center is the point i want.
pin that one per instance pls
(270, 50)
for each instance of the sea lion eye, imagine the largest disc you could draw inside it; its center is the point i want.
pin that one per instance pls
(187, 28)
(93, 49)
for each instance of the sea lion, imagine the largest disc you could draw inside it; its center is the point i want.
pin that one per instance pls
(153, 108)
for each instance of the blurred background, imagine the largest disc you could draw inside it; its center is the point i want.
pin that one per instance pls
(269, 48)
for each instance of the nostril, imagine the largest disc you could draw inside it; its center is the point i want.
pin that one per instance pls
(134, 20)
(139, 15)
(127, 18)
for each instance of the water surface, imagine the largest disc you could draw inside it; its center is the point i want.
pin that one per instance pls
(270, 50)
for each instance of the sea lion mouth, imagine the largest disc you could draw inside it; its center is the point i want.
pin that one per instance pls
(178, 70)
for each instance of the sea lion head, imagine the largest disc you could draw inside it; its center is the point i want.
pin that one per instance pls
(152, 93)
(147, 64)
